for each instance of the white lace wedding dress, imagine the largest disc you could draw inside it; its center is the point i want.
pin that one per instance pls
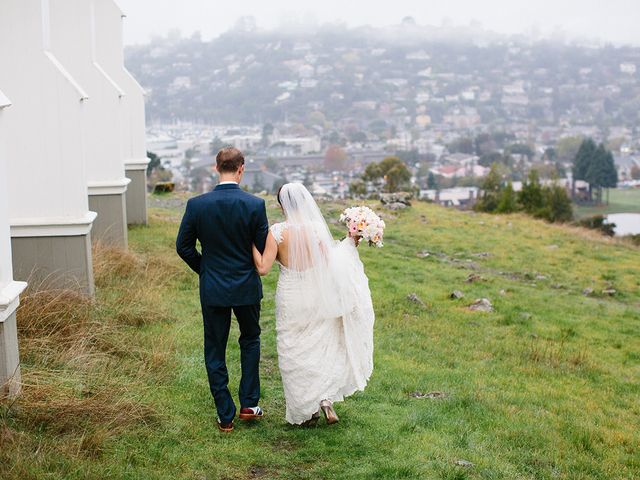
(322, 356)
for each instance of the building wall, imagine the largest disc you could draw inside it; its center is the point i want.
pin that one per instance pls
(109, 50)
(48, 180)
(136, 198)
(54, 261)
(110, 226)
(46, 143)
(9, 289)
(72, 42)
(110, 54)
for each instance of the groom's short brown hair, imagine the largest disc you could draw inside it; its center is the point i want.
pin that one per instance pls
(229, 160)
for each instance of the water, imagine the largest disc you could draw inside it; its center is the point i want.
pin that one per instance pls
(626, 223)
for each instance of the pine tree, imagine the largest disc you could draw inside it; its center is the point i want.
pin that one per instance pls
(601, 172)
(491, 189)
(530, 197)
(432, 183)
(557, 205)
(507, 203)
(582, 160)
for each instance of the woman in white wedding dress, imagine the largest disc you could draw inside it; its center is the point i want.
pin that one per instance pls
(324, 314)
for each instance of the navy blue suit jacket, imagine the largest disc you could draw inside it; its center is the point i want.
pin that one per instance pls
(227, 221)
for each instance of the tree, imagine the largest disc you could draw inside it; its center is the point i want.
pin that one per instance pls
(216, 145)
(392, 170)
(461, 145)
(154, 163)
(372, 173)
(521, 149)
(271, 164)
(432, 183)
(531, 198)
(550, 154)
(335, 158)
(267, 131)
(491, 186)
(488, 159)
(258, 184)
(581, 162)
(507, 202)
(358, 188)
(601, 171)
(557, 205)
(484, 144)
(397, 177)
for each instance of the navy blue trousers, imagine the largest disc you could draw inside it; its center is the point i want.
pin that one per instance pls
(217, 322)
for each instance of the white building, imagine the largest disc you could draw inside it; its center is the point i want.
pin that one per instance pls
(9, 289)
(109, 50)
(48, 205)
(73, 42)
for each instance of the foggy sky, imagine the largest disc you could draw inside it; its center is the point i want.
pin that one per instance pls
(613, 21)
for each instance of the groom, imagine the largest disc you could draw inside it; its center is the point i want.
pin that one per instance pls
(228, 221)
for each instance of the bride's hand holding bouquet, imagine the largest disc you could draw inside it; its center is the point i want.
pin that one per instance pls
(363, 223)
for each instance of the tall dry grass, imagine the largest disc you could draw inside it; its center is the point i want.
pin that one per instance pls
(86, 362)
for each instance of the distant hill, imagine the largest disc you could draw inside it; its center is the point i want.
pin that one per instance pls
(396, 74)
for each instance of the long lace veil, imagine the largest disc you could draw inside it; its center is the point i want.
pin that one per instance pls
(314, 256)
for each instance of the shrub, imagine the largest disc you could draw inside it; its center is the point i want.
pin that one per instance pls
(597, 222)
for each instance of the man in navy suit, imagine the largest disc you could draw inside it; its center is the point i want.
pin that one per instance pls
(228, 221)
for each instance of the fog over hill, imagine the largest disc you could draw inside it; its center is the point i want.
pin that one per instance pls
(406, 75)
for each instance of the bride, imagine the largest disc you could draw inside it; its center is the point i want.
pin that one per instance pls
(324, 314)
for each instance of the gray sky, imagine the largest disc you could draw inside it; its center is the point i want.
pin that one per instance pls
(610, 20)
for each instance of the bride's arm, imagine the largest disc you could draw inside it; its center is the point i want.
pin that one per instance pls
(265, 261)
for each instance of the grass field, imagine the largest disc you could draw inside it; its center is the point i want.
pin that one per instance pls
(621, 200)
(544, 387)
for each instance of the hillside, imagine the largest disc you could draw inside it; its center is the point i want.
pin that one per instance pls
(544, 387)
(368, 76)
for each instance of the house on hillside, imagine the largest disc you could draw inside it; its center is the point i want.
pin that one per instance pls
(625, 164)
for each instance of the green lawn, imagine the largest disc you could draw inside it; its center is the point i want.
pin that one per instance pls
(621, 200)
(544, 387)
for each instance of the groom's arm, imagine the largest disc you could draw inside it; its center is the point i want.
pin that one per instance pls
(262, 228)
(186, 241)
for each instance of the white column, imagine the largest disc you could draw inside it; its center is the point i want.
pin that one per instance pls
(110, 54)
(73, 42)
(9, 289)
(48, 206)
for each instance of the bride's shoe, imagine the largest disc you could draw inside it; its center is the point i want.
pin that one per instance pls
(312, 422)
(329, 413)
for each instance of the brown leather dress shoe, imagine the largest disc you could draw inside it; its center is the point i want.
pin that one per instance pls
(225, 427)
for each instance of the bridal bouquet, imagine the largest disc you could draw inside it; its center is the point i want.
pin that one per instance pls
(363, 222)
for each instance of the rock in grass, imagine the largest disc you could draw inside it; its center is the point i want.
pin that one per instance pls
(403, 198)
(456, 295)
(587, 291)
(609, 291)
(431, 395)
(481, 305)
(396, 206)
(473, 277)
(464, 463)
(414, 298)
(423, 254)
